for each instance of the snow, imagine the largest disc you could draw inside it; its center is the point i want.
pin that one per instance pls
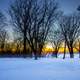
(41, 69)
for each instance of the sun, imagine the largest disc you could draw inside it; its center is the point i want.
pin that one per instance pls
(48, 48)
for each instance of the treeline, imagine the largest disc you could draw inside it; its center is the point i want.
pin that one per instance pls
(36, 22)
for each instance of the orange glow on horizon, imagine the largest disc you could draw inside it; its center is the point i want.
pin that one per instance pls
(49, 49)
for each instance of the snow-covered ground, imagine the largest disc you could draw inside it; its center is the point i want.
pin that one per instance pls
(41, 69)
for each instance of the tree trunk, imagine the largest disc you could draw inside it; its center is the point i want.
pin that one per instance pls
(55, 53)
(79, 49)
(64, 50)
(24, 43)
(40, 51)
(39, 54)
(35, 55)
(71, 52)
(79, 53)
(2, 46)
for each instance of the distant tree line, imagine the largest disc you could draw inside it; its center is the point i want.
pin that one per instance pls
(36, 21)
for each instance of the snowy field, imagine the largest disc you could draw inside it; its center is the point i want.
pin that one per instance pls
(41, 69)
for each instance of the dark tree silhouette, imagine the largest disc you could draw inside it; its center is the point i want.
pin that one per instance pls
(18, 42)
(3, 38)
(64, 49)
(77, 45)
(70, 29)
(78, 8)
(56, 39)
(20, 15)
(3, 32)
(33, 18)
(2, 21)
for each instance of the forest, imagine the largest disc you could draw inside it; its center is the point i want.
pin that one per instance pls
(36, 23)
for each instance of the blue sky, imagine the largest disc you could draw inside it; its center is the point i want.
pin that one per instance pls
(67, 6)
(4, 4)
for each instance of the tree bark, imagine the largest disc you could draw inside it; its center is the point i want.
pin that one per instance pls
(79, 49)
(71, 52)
(55, 53)
(79, 53)
(35, 55)
(24, 43)
(64, 50)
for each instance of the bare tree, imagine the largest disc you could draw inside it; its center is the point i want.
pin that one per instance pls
(2, 21)
(70, 29)
(77, 41)
(44, 18)
(55, 38)
(33, 18)
(18, 42)
(2, 30)
(20, 15)
(64, 49)
(3, 38)
(77, 45)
